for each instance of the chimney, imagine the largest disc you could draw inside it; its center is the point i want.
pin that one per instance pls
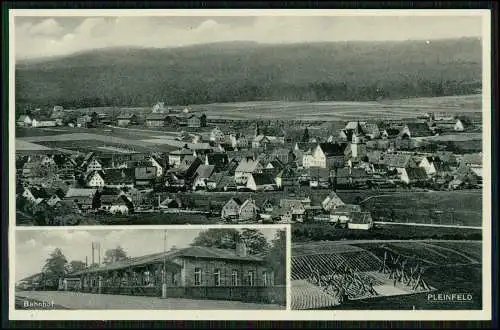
(241, 248)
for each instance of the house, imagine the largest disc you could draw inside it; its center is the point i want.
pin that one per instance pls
(292, 210)
(159, 164)
(24, 121)
(43, 122)
(85, 198)
(342, 215)
(248, 210)
(216, 135)
(360, 220)
(119, 177)
(267, 206)
(284, 155)
(231, 210)
(263, 141)
(261, 182)
(214, 180)
(202, 175)
(95, 179)
(412, 175)
(156, 120)
(171, 204)
(87, 121)
(287, 177)
(393, 132)
(325, 155)
(227, 183)
(398, 160)
(159, 108)
(245, 168)
(319, 177)
(126, 119)
(93, 165)
(187, 271)
(177, 156)
(116, 204)
(172, 180)
(414, 130)
(332, 201)
(35, 195)
(238, 141)
(197, 120)
(218, 159)
(144, 176)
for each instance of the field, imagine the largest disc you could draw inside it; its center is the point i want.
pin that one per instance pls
(442, 207)
(323, 111)
(448, 267)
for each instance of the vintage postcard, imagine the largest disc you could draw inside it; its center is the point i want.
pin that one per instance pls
(364, 133)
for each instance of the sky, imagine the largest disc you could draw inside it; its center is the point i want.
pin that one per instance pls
(34, 246)
(51, 36)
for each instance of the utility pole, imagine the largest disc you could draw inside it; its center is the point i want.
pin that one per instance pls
(164, 277)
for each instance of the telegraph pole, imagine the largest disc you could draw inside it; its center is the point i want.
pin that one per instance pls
(164, 277)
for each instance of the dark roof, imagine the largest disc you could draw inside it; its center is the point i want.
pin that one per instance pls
(263, 179)
(320, 173)
(205, 171)
(119, 175)
(126, 115)
(145, 173)
(396, 159)
(39, 192)
(419, 129)
(169, 256)
(361, 217)
(333, 149)
(156, 116)
(416, 173)
(218, 159)
(237, 200)
(393, 131)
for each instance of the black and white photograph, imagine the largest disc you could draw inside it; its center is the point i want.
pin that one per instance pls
(155, 269)
(365, 133)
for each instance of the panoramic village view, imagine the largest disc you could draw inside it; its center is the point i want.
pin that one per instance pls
(372, 152)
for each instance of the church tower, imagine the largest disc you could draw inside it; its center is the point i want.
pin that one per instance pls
(358, 145)
(257, 130)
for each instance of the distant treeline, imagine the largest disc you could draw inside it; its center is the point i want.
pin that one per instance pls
(219, 73)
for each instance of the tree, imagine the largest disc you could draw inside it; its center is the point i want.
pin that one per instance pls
(75, 266)
(276, 258)
(55, 266)
(114, 255)
(219, 238)
(305, 137)
(226, 239)
(255, 241)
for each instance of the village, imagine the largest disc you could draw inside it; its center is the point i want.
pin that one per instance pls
(225, 171)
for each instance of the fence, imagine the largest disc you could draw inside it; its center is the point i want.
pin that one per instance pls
(256, 294)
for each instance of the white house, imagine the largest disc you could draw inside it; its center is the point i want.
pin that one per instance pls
(159, 167)
(245, 168)
(24, 120)
(332, 201)
(261, 182)
(43, 123)
(216, 135)
(94, 165)
(360, 220)
(428, 165)
(459, 126)
(96, 179)
(203, 173)
(316, 158)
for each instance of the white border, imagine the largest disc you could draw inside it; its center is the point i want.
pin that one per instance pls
(356, 315)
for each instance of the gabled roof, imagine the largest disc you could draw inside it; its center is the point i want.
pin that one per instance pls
(419, 129)
(205, 171)
(318, 172)
(333, 149)
(169, 256)
(81, 192)
(396, 159)
(39, 192)
(416, 173)
(125, 115)
(361, 217)
(119, 176)
(145, 173)
(333, 198)
(235, 200)
(289, 204)
(475, 159)
(247, 166)
(157, 116)
(263, 179)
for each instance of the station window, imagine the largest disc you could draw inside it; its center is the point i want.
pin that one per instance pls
(197, 276)
(217, 277)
